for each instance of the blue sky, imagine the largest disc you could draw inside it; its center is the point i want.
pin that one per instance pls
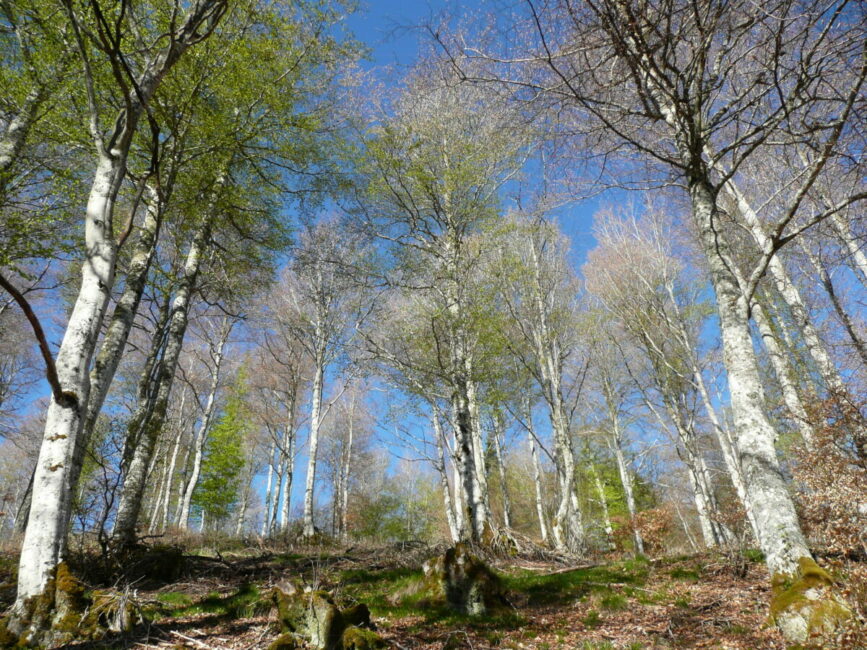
(393, 30)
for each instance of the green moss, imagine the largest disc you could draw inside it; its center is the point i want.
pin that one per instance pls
(7, 638)
(356, 638)
(285, 642)
(808, 595)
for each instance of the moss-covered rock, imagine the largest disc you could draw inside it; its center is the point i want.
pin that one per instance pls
(323, 620)
(315, 617)
(357, 638)
(358, 615)
(287, 641)
(806, 606)
(463, 582)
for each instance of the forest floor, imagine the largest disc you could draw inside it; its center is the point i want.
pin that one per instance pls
(222, 602)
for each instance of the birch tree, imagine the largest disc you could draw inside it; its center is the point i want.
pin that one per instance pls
(431, 175)
(320, 304)
(137, 77)
(539, 292)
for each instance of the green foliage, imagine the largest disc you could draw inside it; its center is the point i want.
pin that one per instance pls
(400, 510)
(224, 458)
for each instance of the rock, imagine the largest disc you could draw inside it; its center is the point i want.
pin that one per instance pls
(356, 638)
(323, 620)
(806, 606)
(464, 582)
(315, 617)
(358, 615)
(286, 642)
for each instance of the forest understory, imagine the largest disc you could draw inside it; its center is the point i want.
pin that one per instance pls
(206, 598)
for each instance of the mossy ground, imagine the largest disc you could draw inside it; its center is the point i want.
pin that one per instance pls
(693, 601)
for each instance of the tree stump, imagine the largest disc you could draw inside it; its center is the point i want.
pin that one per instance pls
(465, 582)
(316, 618)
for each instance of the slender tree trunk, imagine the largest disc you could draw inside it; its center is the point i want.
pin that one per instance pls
(150, 425)
(170, 476)
(784, 373)
(114, 342)
(568, 527)
(269, 507)
(204, 427)
(480, 474)
(23, 512)
(791, 295)
(315, 417)
(628, 491)
(179, 506)
(842, 314)
(603, 502)
(287, 475)
(537, 481)
(501, 468)
(844, 230)
(440, 466)
(728, 448)
(245, 499)
(344, 478)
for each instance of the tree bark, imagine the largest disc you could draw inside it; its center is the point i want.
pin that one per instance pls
(309, 528)
(537, 480)
(780, 535)
(501, 469)
(147, 426)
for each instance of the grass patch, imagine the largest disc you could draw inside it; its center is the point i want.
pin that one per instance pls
(593, 619)
(685, 574)
(244, 603)
(175, 599)
(682, 601)
(561, 588)
(613, 602)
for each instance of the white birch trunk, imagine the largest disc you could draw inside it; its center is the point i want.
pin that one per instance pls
(440, 466)
(344, 478)
(629, 493)
(287, 475)
(149, 424)
(45, 537)
(501, 468)
(784, 373)
(269, 507)
(780, 535)
(537, 482)
(790, 294)
(859, 258)
(309, 528)
(204, 427)
(603, 502)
